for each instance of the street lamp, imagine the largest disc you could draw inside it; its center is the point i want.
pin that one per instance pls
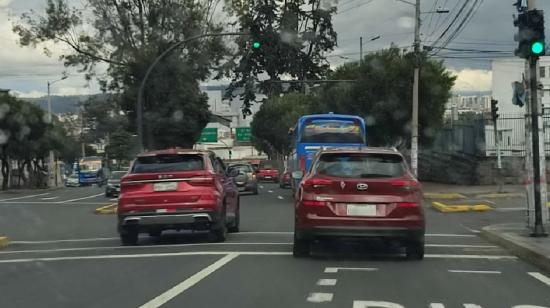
(52, 172)
(374, 38)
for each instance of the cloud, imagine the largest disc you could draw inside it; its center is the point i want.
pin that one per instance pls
(472, 80)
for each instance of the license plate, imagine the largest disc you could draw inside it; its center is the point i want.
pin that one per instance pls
(165, 186)
(268, 177)
(361, 209)
(240, 183)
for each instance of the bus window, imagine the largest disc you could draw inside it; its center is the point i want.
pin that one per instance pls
(329, 131)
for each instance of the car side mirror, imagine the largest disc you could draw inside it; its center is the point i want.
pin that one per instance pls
(297, 175)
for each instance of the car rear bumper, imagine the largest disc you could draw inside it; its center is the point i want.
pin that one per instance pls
(248, 186)
(144, 222)
(361, 233)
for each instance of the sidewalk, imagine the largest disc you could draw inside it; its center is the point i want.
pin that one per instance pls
(451, 191)
(515, 238)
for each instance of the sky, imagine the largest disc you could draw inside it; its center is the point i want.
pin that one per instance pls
(26, 70)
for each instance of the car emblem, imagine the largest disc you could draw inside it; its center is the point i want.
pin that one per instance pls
(342, 184)
(362, 186)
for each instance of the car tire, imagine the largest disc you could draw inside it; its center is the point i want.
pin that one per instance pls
(255, 191)
(234, 228)
(415, 251)
(129, 238)
(301, 248)
(219, 232)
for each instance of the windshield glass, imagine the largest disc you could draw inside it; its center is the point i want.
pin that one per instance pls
(166, 163)
(328, 131)
(243, 168)
(353, 165)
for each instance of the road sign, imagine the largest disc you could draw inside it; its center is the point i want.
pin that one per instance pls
(243, 134)
(209, 134)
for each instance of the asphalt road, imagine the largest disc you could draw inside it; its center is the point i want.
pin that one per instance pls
(62, 254)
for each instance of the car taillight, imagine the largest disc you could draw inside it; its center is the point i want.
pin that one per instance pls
(313, 203)
(407, 204)
(302, 162)
(405, 184)
(317, 183)
(201, 181)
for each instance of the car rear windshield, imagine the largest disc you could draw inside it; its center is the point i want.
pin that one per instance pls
(244, 168)
(168, 163)
(267, 165)
(332, 131)
(360, 165)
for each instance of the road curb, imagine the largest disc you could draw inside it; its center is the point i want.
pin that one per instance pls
(107, 209)
(538, 256)
(460, 208)
(4, 241)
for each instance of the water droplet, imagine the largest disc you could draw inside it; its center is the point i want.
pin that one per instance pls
(177, 115)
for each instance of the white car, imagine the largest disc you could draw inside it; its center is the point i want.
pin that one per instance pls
(72, 181)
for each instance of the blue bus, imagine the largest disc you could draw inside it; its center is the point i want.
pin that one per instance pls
(320, 131)
(89, 170)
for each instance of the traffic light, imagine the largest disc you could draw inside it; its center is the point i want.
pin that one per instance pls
(256, 45)
(494, 109)
(530, 35)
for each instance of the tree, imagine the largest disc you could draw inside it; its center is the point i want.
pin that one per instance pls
(276, 116)
(122, 146)
(292, 42)
(382, 95)
(127, 36)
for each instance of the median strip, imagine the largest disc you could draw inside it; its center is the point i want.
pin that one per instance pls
(457, 208)
(107, 209)
(4, 241)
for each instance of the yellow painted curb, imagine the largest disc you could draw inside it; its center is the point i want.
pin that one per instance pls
(444, 196)
(107, 209)
(457, 208)
(4, 241)
(501, 195)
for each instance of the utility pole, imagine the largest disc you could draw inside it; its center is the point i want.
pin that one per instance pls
(361, 50)
(52, 170)
(414, 124)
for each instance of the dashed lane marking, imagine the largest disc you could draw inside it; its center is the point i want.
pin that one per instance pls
(474, 272)
(336, 269)
(270, 191)
(49, 198)
(326, 282)
(113, 199)
(368, 304)
(66, 241)
(83, 198)
(280, 197)
(24, 197)
(188, 283)
(460, 246)
(320, 297)
(540, 277)
(261, 186)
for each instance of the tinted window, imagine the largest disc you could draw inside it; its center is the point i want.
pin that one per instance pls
(165, 163)
(331, 131)
(244, 168)
(359, 165)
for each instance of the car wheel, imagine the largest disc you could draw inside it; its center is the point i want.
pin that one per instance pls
(255, 191)
(234, 228)
(415, 251)
(129, 238)
(219, 232)
(301, 248)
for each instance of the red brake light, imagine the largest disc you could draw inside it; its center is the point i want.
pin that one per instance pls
(317, 183)
(407, 204)
(313, 203)
(405, 184)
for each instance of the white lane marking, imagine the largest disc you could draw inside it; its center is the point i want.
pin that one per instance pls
(23, 197)
(201, 253)
(326, 282)
(280, 197)
(470, 229)
(66, 241)
(375, 304)
(261, 186)
(270, 191)
(472, 306)
(132, 247)
(320, 297)
(188, 283)
(49, 198)
(113, 199)
(88, 197)
(540, 277)
(437, 305)
(336, 269)
(474, 272)
(449, 235)
(266, 232)
(460, 246)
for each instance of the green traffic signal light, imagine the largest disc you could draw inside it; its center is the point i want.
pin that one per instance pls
(537, 48)
(256, 45)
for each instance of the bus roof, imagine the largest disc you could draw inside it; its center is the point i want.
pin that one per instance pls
(329, 116)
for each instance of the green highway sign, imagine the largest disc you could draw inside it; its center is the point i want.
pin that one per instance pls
(243, 134)
(209, 134)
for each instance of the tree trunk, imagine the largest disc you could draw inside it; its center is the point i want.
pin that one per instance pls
(5, 172)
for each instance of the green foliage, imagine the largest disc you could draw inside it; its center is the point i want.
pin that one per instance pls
(122, 146)
(128, 36)
(293, 35)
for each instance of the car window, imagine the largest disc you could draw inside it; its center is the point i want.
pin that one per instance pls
(244, 168)
(360, 165)
(117, 175)
(267, 164)
(168, 163)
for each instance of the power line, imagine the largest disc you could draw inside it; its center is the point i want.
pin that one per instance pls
(467, 19)
(452, 21)
(354, 7)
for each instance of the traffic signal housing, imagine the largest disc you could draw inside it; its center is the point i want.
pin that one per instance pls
(494, 109)
(530, 35)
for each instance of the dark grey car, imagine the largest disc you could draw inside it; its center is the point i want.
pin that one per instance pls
(112, 189)
(245, 177)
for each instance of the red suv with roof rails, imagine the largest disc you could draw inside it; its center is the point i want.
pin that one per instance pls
(177, 189)
(359, 194)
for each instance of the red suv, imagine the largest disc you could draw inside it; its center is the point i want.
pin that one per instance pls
(267, 171)
(358, 194)
(174, 190)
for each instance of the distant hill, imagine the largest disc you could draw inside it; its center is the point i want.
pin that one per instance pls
(61, 104)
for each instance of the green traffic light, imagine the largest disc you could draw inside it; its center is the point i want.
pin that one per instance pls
(537, 48)
(256, 45)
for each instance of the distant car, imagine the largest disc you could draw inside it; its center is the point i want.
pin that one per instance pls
(112, 188)
(285, 179)
(177, 189)
(267, 171)
(244, 176)
(72, 181)
(359, 194)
